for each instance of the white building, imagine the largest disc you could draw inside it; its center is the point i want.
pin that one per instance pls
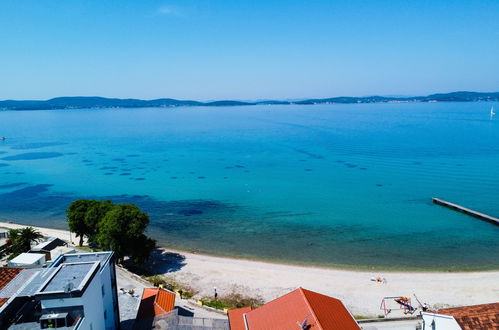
(77, 291)
(432, 321)
(28, 260)
(54, 253)
(484, 316)
(4, 237)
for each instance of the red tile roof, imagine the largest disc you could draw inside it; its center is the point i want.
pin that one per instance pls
(7, 274)
(155, 302)
(476, 317)
(236, 318)
(299, 308)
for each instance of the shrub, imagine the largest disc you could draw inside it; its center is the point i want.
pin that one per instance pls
(156, 280)
(232, 300)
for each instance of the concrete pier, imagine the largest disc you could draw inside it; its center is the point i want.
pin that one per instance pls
(467, 211)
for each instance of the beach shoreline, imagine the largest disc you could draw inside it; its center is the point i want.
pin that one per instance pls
(327, 265)
(255, 258)
(355, 288)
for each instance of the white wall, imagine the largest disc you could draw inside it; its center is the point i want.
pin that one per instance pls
(92, 304)
(440, 322)
(105, 274)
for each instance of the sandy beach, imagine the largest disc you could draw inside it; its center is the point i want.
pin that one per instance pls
(355, 288)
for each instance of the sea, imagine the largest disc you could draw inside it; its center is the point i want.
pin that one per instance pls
(344, 185)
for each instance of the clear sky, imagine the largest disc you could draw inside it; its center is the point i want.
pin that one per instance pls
(260, 49)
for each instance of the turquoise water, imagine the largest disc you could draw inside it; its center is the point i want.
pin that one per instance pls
(329, 184)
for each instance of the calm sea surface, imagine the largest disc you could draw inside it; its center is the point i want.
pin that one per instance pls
(329, 184)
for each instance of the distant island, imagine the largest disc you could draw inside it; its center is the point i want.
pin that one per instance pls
(84, 102)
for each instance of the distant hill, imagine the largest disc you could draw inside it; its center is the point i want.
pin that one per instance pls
(87, 102)
(454, 97)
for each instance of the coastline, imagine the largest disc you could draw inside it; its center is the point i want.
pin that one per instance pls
(354, 287)
(18, 223)
(324, 265)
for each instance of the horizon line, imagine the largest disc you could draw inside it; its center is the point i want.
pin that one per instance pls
(392, 96)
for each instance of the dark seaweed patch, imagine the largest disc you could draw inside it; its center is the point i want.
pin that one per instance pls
(3, 164)
(34, 156)
(36, 145)
(124, 174)
(27, 192)
(308, 153)
(308, 169)
(11, 185)
(139, 179)
(190, 212)
(201, 177)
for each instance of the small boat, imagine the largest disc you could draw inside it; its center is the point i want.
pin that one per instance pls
(492, 113)
(2, 138)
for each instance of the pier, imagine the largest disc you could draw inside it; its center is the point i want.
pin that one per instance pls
(467, 211)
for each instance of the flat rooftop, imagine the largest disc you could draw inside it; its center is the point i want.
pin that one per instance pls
(27, 258)
(102, 257)
(48, 244)
(70, 277)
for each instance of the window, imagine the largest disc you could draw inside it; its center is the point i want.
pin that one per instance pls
(103, 291)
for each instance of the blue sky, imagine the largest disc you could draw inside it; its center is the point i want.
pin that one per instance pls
(204, 50)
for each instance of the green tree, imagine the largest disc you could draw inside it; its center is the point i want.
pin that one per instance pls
(95, 213)
(83, 216)
(141, 249)
(20, 240)
(122, 230)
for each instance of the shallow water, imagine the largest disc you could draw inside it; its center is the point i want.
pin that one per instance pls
(330, 184)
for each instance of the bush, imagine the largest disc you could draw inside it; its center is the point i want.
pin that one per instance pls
(185, 291)
(186, 294)
(156, 280)
(232, 300)
(237, 300)
(215, 303)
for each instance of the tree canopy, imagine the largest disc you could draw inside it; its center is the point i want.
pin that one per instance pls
(118, 227)
(76, 215)
(20, 240)
(121, 230)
